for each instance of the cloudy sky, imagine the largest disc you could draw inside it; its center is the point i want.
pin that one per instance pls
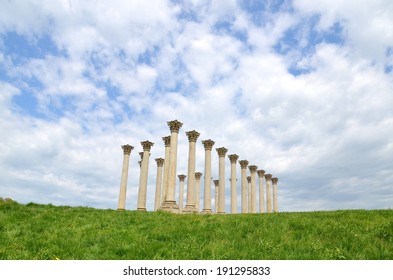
(302, 89)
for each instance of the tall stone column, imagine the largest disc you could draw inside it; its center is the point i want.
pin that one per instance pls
(233, 158)
(170, 202)
(243, 165)
(157, 201)
(221, 188)
(207, 200)
(141, 206)
(253, 173)
(261, 176)
(248, 194)
(216, 187)
(181, 192)
(124, 176)
(198, 176)
(268, 178)
(275, 194)
(190, 203)
(167, 142)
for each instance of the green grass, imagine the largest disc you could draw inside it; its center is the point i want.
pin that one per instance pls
(35, 231)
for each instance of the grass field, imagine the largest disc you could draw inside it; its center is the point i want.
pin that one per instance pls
(35, 231)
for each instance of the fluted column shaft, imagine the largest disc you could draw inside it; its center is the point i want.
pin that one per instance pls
(261, 176)
(141, 206)
(190, 203)
(248, 194)
(124, 176)
(253, 173)
(221, 179)
(216, 187)
(157, 201)
(243, 165)
(268, 178)
(233, 158)
(167, 142)
(198, 176)
(207, 201)
(275, 194)
(181, 192)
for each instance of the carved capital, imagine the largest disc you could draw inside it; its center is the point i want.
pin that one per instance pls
(167, 141)
(249, 179)
(140, 163)
(160, 162)
(274, 180)
(192, 135)
(175, 126)
(221, 151)
(268, 177)
(233, 158)
(208, 144)
(127, 149)
(216, 183)
(147, 145)
(181, 177)
(141, 155)
(253, 168)
(198, 175)
(261, 173)
(243, 163)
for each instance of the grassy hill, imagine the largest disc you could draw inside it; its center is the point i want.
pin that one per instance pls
(35, 231)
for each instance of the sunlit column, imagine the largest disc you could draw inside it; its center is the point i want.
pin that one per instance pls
(275, 194)
(124, 176)
(157, 201)
(253, 173)
(198, 176)
(248, 194)
(221, 171)
(243, 165)
(207, 200)
(216, 187)
(190, 203)
(261, 177)
(268, 178)
(233, 158)
(181, 192)
(167, 142)
(144, 174)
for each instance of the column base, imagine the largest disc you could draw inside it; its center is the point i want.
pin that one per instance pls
(189, 209)
(221, 213)
(170, 206)
(207, 211)
(121, 209)
(141, 209)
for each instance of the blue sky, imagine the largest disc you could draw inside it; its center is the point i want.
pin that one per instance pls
(302, 89)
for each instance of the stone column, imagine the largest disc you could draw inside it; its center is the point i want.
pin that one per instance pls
(167, 142)
(248, 194)
(221, 179)
(275, 194)
(268, 178)
(253, 172)
(216, 187)
(198, 176)
(261, 176)
(190, 203)
(181, 192)
(243, 165)
(124, 176)
(157, 202)
(170, 202)
(233, 158)
(143, 176)
(207, 200)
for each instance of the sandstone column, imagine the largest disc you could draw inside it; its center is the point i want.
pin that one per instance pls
(253, 172)
(275, 194)
(170, 202)
(216, 187)
(207, 200)
(198, 176)
(248, 194)
(261, 176)
(167, 142)
(157, 202)
(190, 203)
(233, 158)
(143, 176)
(124, 176)
(268, 178)
(181, 192)
(243, 165)
(221, 180)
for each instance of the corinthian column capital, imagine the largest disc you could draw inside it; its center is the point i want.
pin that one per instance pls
(221, 151)
(208, 144)
(160, 162)
(233, 158)
(181, 177)
(249, 179)
(127, 149)
(192, 135)
(147, 145)
(274, 180)
(175, 125)
(167, 141)
(243, 163)
(198, 175)
(253, 168)
(261, 173)
(268, 177)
